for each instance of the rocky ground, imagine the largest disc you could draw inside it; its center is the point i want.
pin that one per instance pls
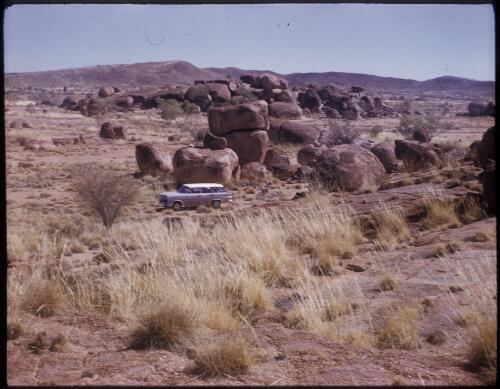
(441, 273)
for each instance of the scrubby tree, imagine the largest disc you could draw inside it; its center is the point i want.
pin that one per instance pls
(103, 191)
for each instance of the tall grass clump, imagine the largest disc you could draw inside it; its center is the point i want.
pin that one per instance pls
(391, 226)
(439, 211)
(400, 329)
(223, 357)
(164, 326)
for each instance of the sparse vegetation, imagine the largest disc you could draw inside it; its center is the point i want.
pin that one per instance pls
(439, 212)
(104, 192)
(14, 329)
(219, 358)
(392, 227)
(41, 297)
(401, 329)
(164, 326)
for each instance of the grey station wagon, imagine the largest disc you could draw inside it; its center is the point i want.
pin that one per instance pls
(193, 195)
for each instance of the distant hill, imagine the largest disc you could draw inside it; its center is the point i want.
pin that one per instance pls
(159, 73)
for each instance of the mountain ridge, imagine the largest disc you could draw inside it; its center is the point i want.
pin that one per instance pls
(183, 72)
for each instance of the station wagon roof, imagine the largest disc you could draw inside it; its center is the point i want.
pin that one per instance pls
(205, 185)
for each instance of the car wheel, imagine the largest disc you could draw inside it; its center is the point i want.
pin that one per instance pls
(177, 206)
(216, 204)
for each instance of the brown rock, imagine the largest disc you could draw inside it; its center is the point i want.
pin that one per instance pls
(417, 156)
(151, 160)
(250, 146)
(192, 165)
(110, 131)
(285, 110)
(213, 142)
(255, 172)
(422, 135)
(386, 155)
(349, 168)
(248, 116)
(280, 163)
(296, 132)
(106, 91)
(310, 100)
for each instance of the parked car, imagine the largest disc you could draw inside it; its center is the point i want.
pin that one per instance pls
(194, 195)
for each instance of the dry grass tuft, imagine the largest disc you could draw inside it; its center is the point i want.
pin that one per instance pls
(246, 296)
(42, 297)
(58, 344)
(439, 212)
(164, 326)
(401, 329)
(387, 283)
(39, 343)
(229, 356)
(482, 348)
(392, 227)
(14, 329)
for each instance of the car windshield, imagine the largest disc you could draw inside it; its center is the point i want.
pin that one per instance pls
(184, 189)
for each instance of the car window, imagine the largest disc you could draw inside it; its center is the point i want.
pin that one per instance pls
(218, 190)
(184, 189)
(207, 190)
(196, 190)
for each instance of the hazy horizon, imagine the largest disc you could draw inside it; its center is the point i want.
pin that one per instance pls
(418, 42)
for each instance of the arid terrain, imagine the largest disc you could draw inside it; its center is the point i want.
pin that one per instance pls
(338, 262)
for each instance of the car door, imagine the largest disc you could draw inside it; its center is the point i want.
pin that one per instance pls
(195, 197)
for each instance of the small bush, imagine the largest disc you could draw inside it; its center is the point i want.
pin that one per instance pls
(224, 357)
(14, 329)
(170, 109)
(392, 227)
(482, 352)
(339, 135)
(375, 131)
(400, 330)
(39, 343)
(164, 327)
(409, 124)
(190, 108)
(58, 344)
(42, 298)
(387, 283)
(439, 212)
(104, 192)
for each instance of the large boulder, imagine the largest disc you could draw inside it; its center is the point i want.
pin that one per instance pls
(310, 154)
(296, 132)
(151, 160)
(248, 92)
(310, 100)
(171, 93)
(250, 146)
(280, 163)
(220, 93)
(481, 109)
(352, 112)
(284, 96)
(356, 89)
(422, 135)
(285, 110)
(251, 79)
(213, 142)
(386, 155)
(269, 81)
(331, 113)
(349, 168)
(235, 100)
(328, 91)
(110, 131)
(471, 154)
(255, 172)
(70, 102)
(199, 94)
(247, 116)
(124, 101)
(486, 155)
(106, 91)
(92, 107)
(192, 165)
(418, 156)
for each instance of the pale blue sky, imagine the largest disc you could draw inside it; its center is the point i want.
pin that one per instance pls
(408, 41)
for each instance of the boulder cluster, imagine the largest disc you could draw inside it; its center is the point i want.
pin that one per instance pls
(335, 103)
